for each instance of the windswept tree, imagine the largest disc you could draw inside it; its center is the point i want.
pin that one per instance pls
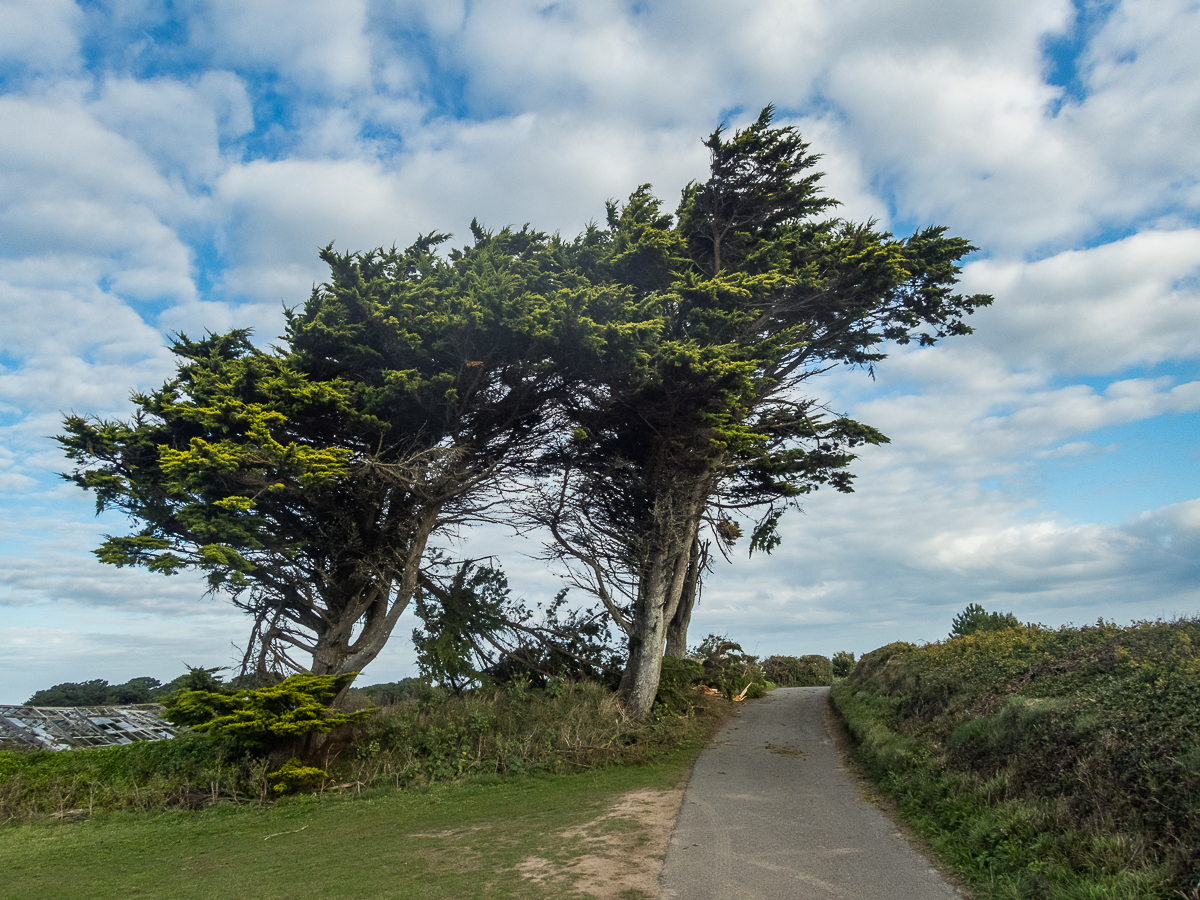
(307, 482)
(649, 377)
(756, 288)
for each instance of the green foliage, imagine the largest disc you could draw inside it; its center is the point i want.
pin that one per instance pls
(573, 726)
(676, 684)
(261, 718)
(654, 365)
(198, 678)
(434, 842)
(509, 731)
(754, 289)
(728, 669)
(1046, 763)
(393, 692)
(843, 663)
(459, 620)
(294, 776)
(798, 671)
(476, 634)
(188, 770)
(97, 693)
(306, 482)
(975, 618)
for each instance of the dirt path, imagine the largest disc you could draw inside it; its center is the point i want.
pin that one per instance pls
(771, 813)
(618, 855)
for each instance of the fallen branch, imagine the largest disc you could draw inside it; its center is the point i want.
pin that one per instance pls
(278, 833)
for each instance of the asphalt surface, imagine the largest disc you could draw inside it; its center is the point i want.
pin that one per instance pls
(770, 813)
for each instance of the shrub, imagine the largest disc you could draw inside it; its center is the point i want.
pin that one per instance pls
(975, 618)
(821, 668)
(798, 671)
(294, 776)
(729, 669)
(677, 683)
(267, 717)
(572, 726)
(189, 770)
(508, 731)
(395, 691)
(98, 692)
(843, 664)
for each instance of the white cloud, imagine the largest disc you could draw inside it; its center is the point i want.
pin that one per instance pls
(898, 558)
(179, 125)
(40, 36)
(78, 349)
(70, 188)
(115, 648)
(277, 215)
(965, 141)
(585, 55)
(1142, 112)
(321, 47)
(554, 173)
(134, 205)
(1095, 311)
(1075, 450)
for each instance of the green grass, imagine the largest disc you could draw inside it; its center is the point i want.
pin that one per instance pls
(1060, 764)
(456, 840)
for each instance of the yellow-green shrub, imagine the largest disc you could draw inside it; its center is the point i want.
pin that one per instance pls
(297, 706)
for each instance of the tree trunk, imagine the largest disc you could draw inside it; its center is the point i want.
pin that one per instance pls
(659, 591)
(334, 652)
(677, 630)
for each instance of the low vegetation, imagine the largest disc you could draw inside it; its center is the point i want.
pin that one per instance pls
(562, 728)
(798, 671)
(1042, 763)
(510, 791)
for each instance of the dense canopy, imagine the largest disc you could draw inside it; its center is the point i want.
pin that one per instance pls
(638, 383)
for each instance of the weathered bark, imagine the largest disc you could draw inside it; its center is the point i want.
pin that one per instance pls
(648, 634)
(379, 626)
(677, 629)
(659, 590)
(334, 652)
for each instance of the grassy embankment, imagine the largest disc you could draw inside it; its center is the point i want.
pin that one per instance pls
(496, 794)
(1043, 763)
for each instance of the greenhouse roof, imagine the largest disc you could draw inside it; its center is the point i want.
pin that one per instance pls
(65, 728)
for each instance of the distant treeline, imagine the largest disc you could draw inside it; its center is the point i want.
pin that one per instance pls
(145, 689)
(99, 692)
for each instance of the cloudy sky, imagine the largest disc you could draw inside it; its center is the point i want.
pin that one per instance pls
(175, 168)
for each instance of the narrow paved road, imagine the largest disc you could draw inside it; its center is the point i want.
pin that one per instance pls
(770, 814)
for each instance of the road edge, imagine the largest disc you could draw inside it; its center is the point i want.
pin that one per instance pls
(868, 791)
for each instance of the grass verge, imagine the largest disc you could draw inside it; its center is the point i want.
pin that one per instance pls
(1059, 764)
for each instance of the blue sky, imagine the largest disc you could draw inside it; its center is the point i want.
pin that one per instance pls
(172, 167)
